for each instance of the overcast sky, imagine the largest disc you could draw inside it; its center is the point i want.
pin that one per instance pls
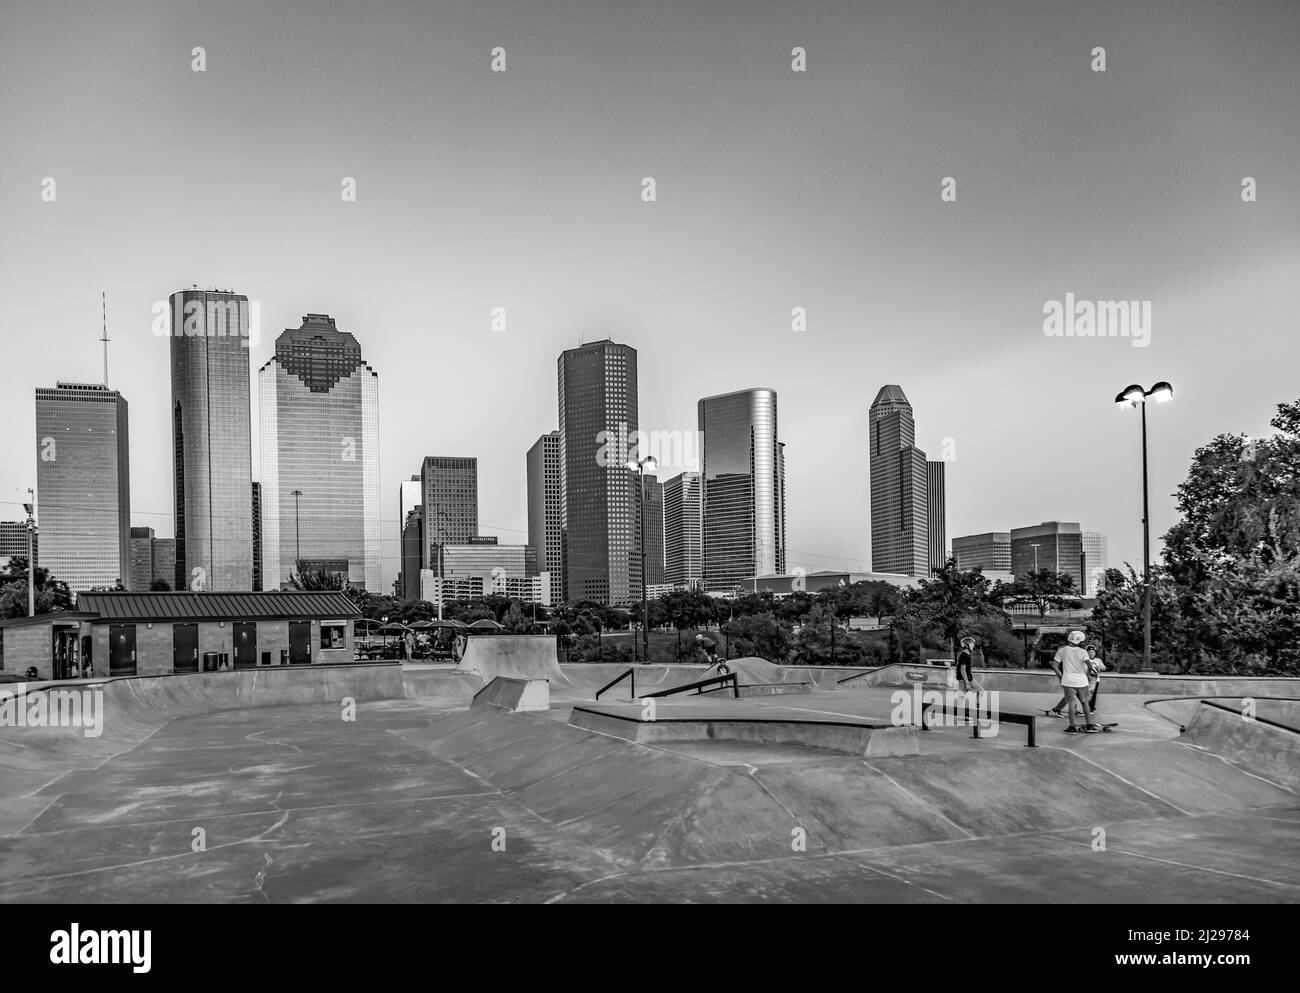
(775, 190)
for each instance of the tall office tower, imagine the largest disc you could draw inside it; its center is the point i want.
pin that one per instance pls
(683, 531)
(83, 489)
(320, 455)
(212, 440)
(936, 514)
(1096, 560)
(742, 468)
(990, 551)
(257, 537)
(152, 559)
(142, 560)
(13, 541)
(449, 495)
(599, 537)
(412, 543)
(654, 531)
(900, 538)
(1053, 545)
(544, 519)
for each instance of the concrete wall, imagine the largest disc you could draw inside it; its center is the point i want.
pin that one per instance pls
(26, 646)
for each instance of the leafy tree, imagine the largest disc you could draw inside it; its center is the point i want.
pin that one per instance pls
(516, 621)
(1043, 589)
(160, 586)
(317, 580)
(951, 603)
(52, 595)
(759, 636)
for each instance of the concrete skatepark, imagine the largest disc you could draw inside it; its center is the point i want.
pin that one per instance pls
(504, 779)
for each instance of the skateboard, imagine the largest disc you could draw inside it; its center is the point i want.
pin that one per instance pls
(1105, 727)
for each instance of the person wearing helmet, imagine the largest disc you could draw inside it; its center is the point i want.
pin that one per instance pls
(1071, 664)
(964, 677)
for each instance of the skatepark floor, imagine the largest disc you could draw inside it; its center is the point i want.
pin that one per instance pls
(421, 800)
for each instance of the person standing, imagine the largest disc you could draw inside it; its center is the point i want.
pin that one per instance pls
(964, 678)
(1095, 668)
(1072, 665)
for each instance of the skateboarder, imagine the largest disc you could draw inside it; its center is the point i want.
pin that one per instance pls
(1071, 664)
(964, 677)
(710, 649)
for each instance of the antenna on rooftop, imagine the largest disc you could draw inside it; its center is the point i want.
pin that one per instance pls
(103, 303)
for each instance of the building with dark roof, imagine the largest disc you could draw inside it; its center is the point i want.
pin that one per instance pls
(152, 634)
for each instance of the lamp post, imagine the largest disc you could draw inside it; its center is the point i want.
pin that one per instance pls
(639, 466)
(31, 554)
(297, 536)
(1133, 396)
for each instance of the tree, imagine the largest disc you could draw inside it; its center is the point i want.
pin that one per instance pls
(317, 580)
(763, 637)
(516, 621)
(160, 586)
(52, 595)
(1043, 589)
(951, 603)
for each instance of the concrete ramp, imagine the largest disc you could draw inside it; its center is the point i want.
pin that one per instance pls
(522, 656)
(1261, 748)
(511, 694)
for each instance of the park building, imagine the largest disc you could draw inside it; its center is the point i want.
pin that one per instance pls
(155, 634)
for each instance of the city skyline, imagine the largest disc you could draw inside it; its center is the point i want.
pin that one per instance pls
(949, 300)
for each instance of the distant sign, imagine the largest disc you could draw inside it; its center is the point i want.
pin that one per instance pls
(482, 539)
(915, 675)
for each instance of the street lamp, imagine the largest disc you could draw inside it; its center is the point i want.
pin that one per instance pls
(1133, 396)
(31, 554)
(297, 537)
(639, 466)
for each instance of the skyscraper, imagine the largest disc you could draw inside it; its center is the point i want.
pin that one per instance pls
(900, 538)
(257, 536)
(152, 559)
(599, 505)
(83, 489)
(1096, 560)
(936, 512)
(212, 440)
(654, 531)
(544, 520)
(320, 440)
(1053, 545)
(990, 551)
(13, 541)
(683, 530)
(743, 473)
(449, 495)
(412, 543)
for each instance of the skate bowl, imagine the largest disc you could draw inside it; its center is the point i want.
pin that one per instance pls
(521, 656)
(1256, 745)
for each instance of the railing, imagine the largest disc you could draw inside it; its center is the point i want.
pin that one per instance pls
(618, 679)
(699, 686)
(1002, 718)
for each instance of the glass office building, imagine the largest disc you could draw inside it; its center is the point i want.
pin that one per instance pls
(212, 441)
(449, 488)
(83, 489)
(683, 531)
(1053, 545)
(900, 536)
(320, 437)
(743, 496)
(544, 518)
(936, 512)
(990, 551)
(600, 539)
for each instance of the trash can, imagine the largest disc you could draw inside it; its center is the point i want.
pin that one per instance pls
(210, 661)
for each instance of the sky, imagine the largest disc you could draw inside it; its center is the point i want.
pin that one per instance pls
(774, 190)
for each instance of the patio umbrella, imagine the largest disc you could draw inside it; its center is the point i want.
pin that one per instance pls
(423, 625)
(448, 623)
